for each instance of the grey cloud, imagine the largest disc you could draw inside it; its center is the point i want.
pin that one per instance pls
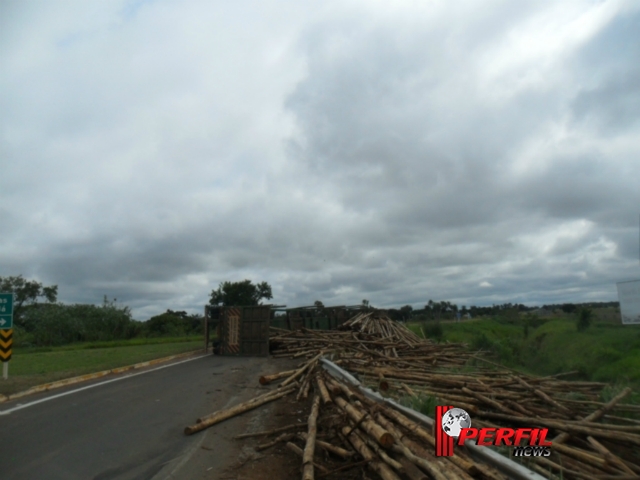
(340, 153)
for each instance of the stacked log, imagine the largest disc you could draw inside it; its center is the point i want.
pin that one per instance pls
(346, 431)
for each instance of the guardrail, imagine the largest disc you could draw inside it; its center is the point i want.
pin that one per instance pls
(505, 465)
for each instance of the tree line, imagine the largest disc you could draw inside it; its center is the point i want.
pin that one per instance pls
(40, 320)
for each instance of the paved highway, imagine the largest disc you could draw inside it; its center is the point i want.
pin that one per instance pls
(131, 428)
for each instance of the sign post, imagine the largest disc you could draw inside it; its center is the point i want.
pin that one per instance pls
(6, 331)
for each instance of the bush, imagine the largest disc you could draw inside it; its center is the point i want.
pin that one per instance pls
(57, 324)
(433, 330)
(172, 324)
(585, 315)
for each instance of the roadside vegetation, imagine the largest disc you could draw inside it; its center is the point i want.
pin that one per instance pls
(590, 342)
(53, 341)
(30, 367)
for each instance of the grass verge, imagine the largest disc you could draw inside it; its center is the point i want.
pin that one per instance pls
(28, 368)
(604, 352)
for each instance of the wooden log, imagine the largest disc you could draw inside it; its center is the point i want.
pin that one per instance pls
(304, 388)
(609, 457)
(266, 379)
(342, 388)
(343, 468)
(462, 463)
(301, 370)
(627, 432)
(381, 436)
(383, 384)
(267, 433)
(583, 456)
(408, 390)
(298, 451)
(407, 447)
(563, 437)
(285, 437)
(322, 388)
(483, 398)
(222, 415)
(544, 396)
(411, 470)
(377, 466)
(382, 454)
(310, 446)
(329, 447)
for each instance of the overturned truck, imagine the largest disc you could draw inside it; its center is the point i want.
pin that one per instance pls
(244, 330)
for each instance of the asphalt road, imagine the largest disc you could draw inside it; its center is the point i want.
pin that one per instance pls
(126, 429)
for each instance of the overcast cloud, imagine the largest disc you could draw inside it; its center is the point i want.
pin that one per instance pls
(476, 152)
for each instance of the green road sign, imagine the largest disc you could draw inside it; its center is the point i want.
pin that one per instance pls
(6, 310)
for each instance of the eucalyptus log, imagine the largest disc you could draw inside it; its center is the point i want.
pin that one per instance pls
(301, 370)
(298, 451)
(222, 415)
(544, 396)
(418, 431)
(609, 457)
(285, 437)
(310, 446)
(377, 466)
(322, 388)
(344, 467)
(266, 379)
(381, 436)
(267, 433)
(413, 472)
(597, 414)
(329, 447)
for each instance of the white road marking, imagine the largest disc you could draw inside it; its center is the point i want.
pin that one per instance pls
(52, 397)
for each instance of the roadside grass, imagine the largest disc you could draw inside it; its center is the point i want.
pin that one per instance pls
(133, 342)
(607, 351)
(31, 367)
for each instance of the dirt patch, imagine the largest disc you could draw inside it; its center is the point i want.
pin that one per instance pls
(278, 462)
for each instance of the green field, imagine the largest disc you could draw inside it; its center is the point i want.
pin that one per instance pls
(606, 351)
(30, 367)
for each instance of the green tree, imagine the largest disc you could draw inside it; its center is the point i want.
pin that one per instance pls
(429, 307)
(26, 292)
(406, 312)
(240, 293)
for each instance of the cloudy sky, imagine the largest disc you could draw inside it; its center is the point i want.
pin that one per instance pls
(473, 151)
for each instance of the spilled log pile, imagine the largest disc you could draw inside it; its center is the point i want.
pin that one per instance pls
(347, 431)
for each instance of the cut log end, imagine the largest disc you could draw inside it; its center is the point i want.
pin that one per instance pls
(386, 440)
